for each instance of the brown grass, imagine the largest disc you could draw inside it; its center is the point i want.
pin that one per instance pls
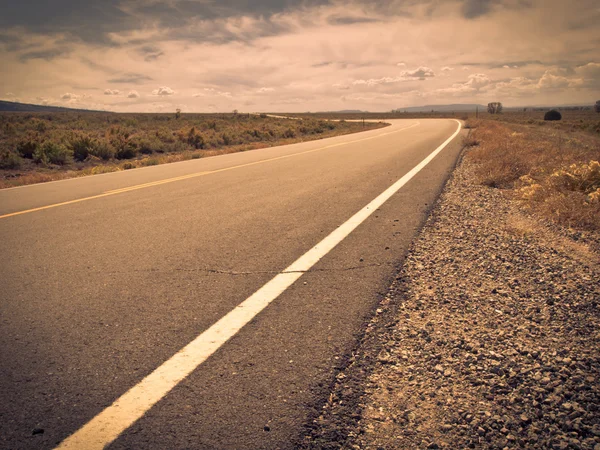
(39, 147)
(555, 173)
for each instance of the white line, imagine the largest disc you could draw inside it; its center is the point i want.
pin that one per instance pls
(131, 406)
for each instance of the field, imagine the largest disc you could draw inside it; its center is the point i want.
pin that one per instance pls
(573, 120)
(553, 169)
(38, 147)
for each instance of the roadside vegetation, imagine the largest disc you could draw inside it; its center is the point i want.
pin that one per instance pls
(554, 169)
(38, 147)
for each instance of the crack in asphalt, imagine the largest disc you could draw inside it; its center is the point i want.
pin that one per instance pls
(255, 272)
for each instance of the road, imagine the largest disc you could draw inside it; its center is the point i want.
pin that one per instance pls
(105, 278)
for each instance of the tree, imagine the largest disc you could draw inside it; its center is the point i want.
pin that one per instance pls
(495, 108)
(597, 106)
(553, 115)
(177, 113)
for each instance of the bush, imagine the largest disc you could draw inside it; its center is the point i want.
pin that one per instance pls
(82, 147)
(8, 160)
(102, 150)
(52, 153)
(149, 146)
(289, 133)
(27, 148)
(195, 139)
(553, 115)
(124, 148)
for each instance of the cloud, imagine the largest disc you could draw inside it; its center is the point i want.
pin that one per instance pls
(420, 74)
(590, 73)
(551, 80)
(341, 86)
(401, 64)
(447, 69)
(473, 9)
(131, 78)
(199, 94)
(47, 55)
(9, 95)
(263, 90)
(42, 100)
(212, 91)
(70, 96)
(133, 94)
(112, 92)
(164, 90)
(349, 20)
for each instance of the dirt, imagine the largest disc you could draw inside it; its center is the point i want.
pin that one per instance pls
(489, 338)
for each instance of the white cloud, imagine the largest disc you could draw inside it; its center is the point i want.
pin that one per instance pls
(420, 73)
(478, 80)
(265, 89)
(505, 66)
(9, 95)
(401, 64)
(465, 68)
(133, 94)
(213, 91)
(70, 96)
(199, 94)
(341, 86)
(42, 100)
(447, 69)
(112, 92)
(163, 91)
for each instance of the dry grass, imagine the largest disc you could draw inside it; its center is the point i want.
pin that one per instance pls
(39, 147)
(553, 172)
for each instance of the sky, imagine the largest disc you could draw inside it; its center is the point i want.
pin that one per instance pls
(289, 56)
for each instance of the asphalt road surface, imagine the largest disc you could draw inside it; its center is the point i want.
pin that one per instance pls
(105, 278)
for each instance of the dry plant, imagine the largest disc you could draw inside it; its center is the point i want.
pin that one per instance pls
(555, 173)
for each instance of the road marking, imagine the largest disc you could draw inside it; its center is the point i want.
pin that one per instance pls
(195, 175)
(131, 406)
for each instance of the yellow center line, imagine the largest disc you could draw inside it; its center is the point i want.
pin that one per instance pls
(195, 175)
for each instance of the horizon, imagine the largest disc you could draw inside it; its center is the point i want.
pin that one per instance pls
(314, 55)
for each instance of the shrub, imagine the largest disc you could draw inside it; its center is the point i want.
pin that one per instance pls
(195, 139)
(149, 146)
(27, 148)
(124, 148)
(82, 147)
(128, 166)
(553, 115)
(52, 153)
(150, 162)
(102, 150)
(289, 133)
(578, 177)
(597, 106)
(9, 160)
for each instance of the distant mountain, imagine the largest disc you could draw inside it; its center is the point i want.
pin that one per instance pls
(461, 107)
(346, 111)
(25, 107)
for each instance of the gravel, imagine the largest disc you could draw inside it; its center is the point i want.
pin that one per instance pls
(488, 339)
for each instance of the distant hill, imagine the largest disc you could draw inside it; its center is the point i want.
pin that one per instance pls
(25, 107)
(345, 111)
(461, 107)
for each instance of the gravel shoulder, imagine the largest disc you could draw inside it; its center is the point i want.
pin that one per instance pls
(489, 338)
